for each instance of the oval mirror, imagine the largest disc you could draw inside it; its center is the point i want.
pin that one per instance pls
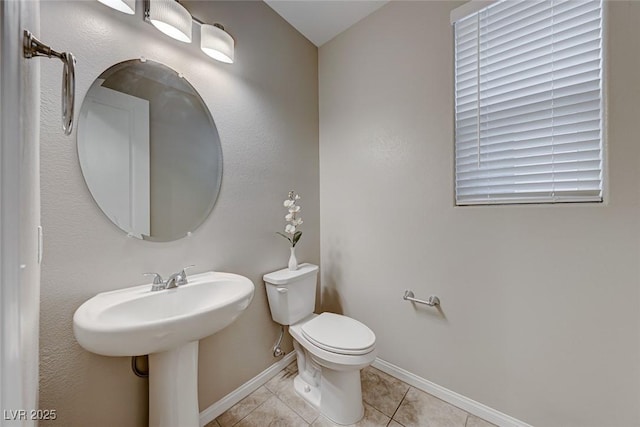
(149, 150)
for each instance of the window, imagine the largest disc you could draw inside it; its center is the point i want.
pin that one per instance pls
(528, 102)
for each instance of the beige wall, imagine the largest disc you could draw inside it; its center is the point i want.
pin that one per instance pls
(266, 109)
(540, 303)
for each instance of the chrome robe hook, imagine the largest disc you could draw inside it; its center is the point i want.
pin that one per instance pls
(32, 48)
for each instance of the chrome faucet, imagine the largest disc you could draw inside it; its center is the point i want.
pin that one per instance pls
(158, 283)
(183, 273)
(175, 280)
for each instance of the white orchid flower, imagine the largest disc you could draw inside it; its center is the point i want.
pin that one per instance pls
(291, 232)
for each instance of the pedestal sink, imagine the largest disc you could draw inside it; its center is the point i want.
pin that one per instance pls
(166, 325)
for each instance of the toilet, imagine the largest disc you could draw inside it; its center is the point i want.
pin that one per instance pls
(331, 349)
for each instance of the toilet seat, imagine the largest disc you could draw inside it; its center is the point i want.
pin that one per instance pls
(339, 334)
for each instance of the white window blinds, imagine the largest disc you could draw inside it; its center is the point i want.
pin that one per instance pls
(528, 102)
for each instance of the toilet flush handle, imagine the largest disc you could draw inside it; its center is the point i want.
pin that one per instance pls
(282, 290)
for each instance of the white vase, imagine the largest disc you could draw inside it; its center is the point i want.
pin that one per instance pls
(293, 262)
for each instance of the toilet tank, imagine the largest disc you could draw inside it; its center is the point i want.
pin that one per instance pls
(292, 294)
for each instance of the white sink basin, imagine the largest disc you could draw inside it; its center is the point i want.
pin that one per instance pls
(166, 325)
(135, 321)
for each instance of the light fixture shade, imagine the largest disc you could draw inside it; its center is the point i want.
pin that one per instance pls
(171, 18)
(217, 43)
(124, 6)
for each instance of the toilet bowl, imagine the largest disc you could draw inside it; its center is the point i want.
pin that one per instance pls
(331, 349)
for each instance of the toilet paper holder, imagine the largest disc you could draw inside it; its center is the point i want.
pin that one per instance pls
(431, 301)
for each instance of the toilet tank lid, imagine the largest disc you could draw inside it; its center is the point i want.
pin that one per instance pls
(286, 276)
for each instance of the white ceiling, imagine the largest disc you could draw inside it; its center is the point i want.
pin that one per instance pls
(322, 20)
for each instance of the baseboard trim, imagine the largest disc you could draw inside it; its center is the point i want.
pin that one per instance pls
(462, 402)
(222, 405)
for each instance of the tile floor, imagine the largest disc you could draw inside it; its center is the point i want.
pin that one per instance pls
(387, 402)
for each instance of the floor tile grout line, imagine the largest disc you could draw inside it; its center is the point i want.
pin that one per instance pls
(401, 400)
(251, 411)
(296, 412)
(422, 391)
(276, 394)
(394, 378)
(396, 421)
(284, 375)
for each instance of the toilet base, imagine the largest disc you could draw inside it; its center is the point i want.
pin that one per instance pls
(329, 381)
(339, 397)
(307, 392)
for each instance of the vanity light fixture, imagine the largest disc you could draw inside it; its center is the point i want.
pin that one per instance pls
(216, 42)
(174, 20)
(170, 17)
(124, 6)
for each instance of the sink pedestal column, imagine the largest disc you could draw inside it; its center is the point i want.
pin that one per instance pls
(173, 387)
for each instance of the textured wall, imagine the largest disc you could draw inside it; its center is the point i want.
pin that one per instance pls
(540, 303)
(266, 109)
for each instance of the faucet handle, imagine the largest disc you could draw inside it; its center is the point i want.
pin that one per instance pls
(157, 280)
(184, 280)
(158, 283)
